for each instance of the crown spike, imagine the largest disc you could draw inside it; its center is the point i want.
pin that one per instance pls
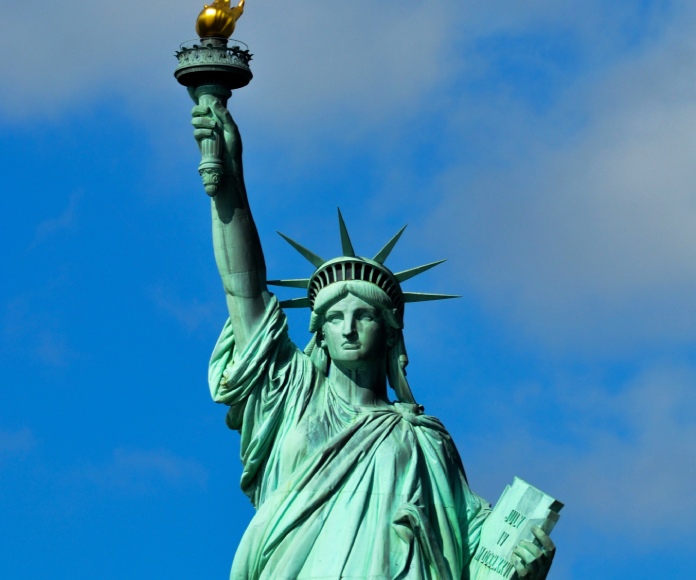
(292, 283)
(296, 303)
(410, 273)
(346, 244)
(383, 254)
(315, 260)
(426, 297)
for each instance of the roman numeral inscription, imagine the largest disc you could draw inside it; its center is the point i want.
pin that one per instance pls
(493, 562)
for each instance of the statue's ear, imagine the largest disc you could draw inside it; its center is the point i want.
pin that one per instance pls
(391, 337)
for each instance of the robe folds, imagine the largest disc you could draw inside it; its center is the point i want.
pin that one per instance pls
(341, 491)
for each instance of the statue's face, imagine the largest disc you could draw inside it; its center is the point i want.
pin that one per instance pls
(354, 332)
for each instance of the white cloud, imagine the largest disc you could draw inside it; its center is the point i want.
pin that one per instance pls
(589, 243)
(315, 61)
(73, 52)
(573, 245)
(638, 481)
(76, 52)
(622, 461)
(329, 62)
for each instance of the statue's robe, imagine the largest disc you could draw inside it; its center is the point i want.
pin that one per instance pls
(341, 491)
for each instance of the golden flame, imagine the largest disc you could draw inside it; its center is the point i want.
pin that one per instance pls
(219, 19)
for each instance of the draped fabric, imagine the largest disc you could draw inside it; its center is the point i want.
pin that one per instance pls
(341, 491)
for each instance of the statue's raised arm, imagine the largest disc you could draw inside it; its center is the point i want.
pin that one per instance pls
(238, 252)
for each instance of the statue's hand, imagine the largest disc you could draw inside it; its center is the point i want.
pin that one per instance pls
(533, 562)
(214, 120)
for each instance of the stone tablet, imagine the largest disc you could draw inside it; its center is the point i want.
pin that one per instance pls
(520, 507)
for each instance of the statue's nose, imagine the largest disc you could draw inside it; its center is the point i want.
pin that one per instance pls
(348, 326)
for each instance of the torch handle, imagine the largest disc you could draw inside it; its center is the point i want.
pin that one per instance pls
(212, 168)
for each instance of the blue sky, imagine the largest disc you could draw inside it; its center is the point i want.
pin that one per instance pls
(546, 148)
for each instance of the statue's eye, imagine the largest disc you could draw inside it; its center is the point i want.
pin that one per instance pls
(334, 317)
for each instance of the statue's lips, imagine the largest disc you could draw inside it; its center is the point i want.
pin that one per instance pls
(350, 346)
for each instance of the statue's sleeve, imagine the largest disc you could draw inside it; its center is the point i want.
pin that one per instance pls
(266, 385)
(473, 509)
(267, 367)
(477, 510)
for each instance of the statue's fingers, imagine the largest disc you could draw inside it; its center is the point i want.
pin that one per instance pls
(203, 122)
(200, 111)
(520, 567)
(525, 555)
(199, 134)
(531, 561)
(544, 539)
(532, 548)
(221, 112)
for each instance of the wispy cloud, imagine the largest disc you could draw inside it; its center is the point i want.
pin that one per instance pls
(53, 349)
(623, 462)
(142, 471)
(638, 480)
(586, 240)
(54, 225)
(359, 57)
(190, 314)
(18, 442)
(23, 329)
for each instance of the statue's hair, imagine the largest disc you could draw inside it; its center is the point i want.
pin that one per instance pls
(377, 298)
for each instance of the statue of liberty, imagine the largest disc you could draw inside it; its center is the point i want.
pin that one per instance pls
(346, 482)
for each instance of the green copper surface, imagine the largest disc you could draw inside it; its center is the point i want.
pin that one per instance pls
(346, 244)
(426, 296)
(383, 254)
(311, 257)
(346, 482)
(411, 272)
(291, 283)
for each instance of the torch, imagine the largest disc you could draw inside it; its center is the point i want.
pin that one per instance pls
(213, 69)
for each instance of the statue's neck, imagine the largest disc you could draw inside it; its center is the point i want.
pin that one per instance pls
(364, 384)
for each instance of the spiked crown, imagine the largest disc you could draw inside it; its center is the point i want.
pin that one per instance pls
(353, 267)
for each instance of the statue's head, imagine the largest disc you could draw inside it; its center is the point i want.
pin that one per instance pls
(357, 309)
(355, 322)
